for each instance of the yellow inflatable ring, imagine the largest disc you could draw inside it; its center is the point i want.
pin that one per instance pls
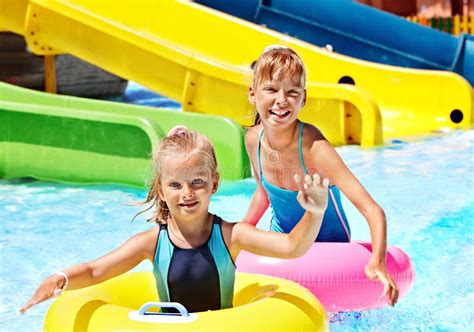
(260, 303)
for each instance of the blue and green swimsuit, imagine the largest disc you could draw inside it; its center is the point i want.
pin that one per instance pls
(287, 211)
(199, 278)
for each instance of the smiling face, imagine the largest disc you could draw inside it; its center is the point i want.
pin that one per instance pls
(187, 184)
(279, 100)
(278, 92)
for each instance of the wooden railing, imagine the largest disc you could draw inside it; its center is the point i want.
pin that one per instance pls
(454, 25)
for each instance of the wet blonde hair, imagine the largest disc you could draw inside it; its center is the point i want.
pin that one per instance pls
(180, 142)
(278, 59)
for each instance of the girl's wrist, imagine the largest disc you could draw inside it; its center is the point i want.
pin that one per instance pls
(64, 278)
(377, 259)
(316, 215)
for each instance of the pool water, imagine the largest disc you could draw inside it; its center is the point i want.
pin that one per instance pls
(425, 187)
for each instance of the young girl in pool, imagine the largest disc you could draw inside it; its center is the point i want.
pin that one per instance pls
(279, 145)
(193, 251)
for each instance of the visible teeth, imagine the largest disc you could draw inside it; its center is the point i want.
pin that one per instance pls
(281, 113)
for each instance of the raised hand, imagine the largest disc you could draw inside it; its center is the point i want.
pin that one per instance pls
(313, 193)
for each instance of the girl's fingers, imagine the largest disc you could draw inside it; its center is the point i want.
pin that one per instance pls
(24, 308)
(325, 183)
(316, 179)
(297, 179)
(28, 305)
(311, 182)
(386, 287)
(308, 179)
(39, 296)
(300, 195)
(394, 295)
(305, 191)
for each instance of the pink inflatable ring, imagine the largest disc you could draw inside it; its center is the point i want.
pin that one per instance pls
(334, 272)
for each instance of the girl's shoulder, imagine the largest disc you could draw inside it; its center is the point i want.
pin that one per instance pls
(227, 230)
(149, 235)
(312, 134)
(315, 142)
(251, 135)
(152, 233)
(226, 224)
(146, 241)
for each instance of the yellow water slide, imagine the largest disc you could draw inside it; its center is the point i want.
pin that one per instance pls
(202, 58)
(171, 47)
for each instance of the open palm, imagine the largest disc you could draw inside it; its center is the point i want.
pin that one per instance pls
(313, 193)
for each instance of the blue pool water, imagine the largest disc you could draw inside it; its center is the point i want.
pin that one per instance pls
(425, 187)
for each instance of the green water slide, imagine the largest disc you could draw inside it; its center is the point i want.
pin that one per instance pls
(78, 140)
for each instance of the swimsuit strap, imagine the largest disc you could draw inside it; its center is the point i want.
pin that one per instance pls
(300, 148)
(258, 153)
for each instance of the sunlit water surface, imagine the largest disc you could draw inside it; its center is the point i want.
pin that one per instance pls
(425, 187)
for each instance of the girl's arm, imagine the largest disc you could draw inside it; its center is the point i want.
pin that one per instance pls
(332, 166)
(313, 196)
(259, 203)
(121, 260)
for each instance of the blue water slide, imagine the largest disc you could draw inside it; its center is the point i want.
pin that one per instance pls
(359, 31)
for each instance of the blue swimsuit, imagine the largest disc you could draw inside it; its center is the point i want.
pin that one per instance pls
(201, 278)
(287, 211)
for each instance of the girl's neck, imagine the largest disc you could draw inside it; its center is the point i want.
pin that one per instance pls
(190, 233)
(280, 138)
